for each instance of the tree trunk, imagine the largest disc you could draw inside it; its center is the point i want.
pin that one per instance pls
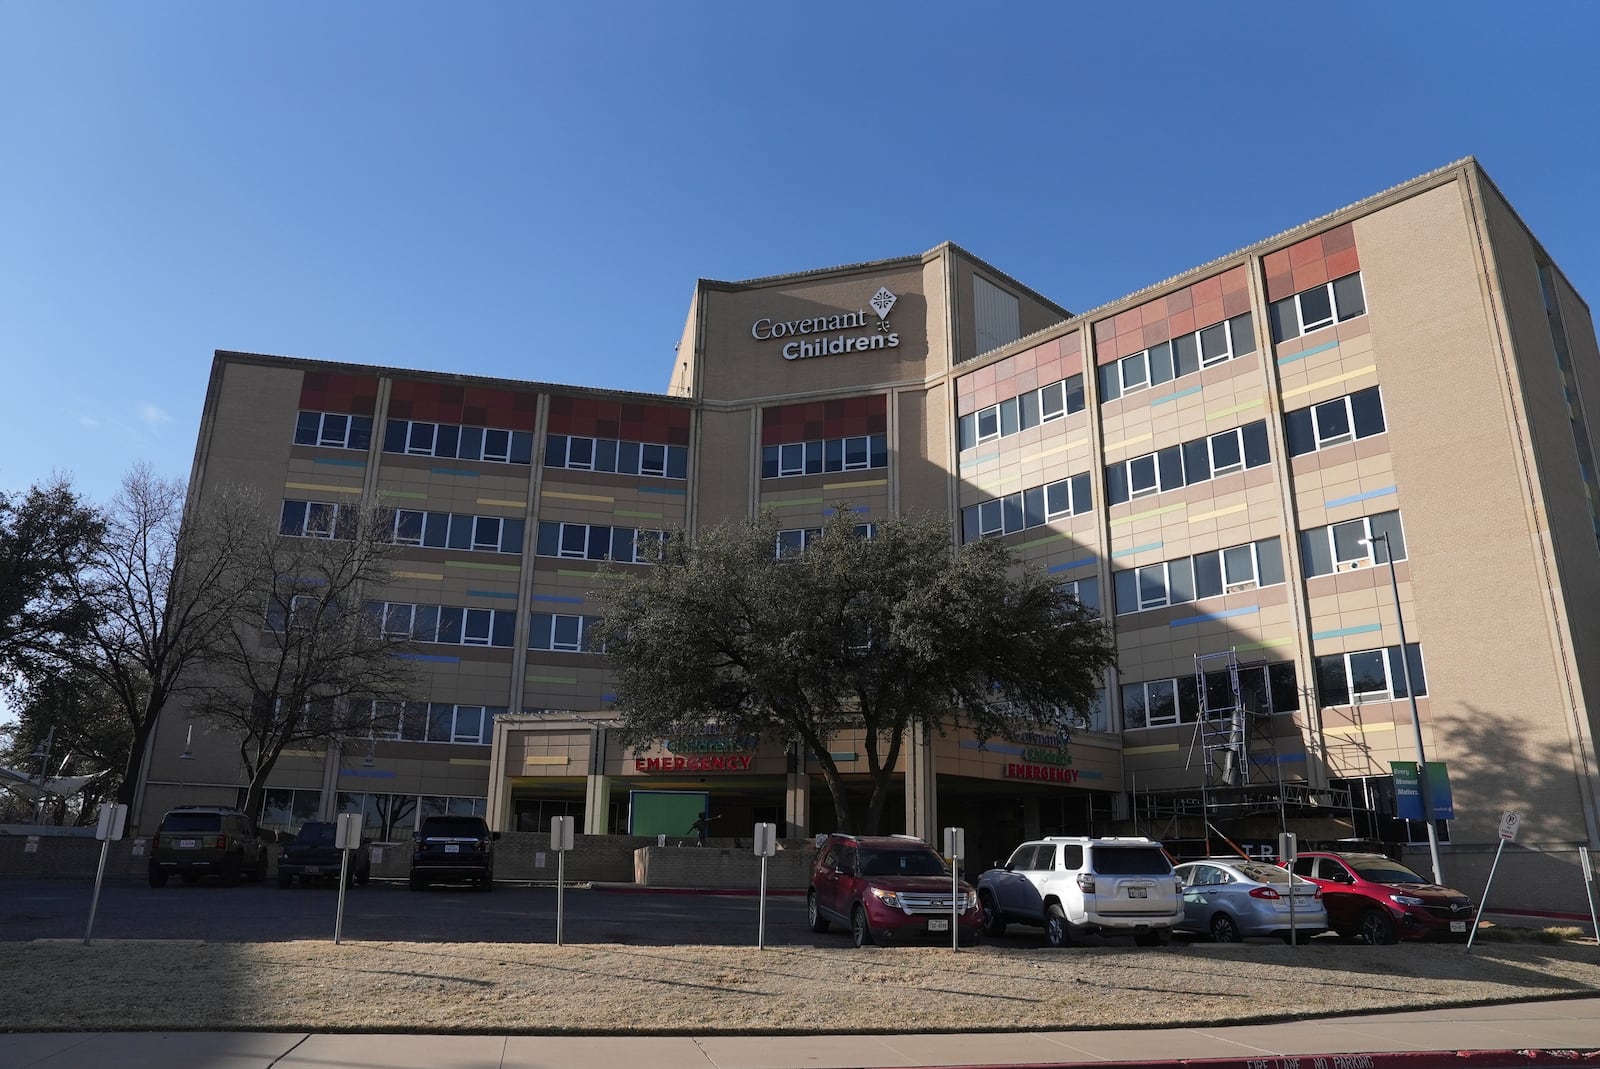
(841, 800)
(130, 771)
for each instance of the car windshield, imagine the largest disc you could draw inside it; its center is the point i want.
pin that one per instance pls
(1264, 873)
(901, 863)
(178, 822)
(316, 835)
(1131, 861)
(464, 828)
(1385, 872)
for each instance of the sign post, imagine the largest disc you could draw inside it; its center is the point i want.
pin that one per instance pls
(347, 837)
(955, 848)
(112, 819)
(1588, 887)
(1510, 823)
(560, 842)
(1288, 850)
(766, 846)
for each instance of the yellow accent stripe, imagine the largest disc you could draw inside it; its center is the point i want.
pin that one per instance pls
(503, 504)
(638, 515)
(546, 761)
(431, 576)
(1164, 747)
(474, 761)
(856, 485)
(564, 496)
(1053, 450)
(1267, 643)
(1358, 729)
(1347, 376)
(1230, 510)
(409, 495)
(1112, 447)
(1162, 511)
(323, 488)
(1233, 410)
(301, 753)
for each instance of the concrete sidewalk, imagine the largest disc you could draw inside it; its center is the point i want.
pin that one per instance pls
(1529, 1034)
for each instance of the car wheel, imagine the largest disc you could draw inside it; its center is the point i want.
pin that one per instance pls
(158, 878)
(189, 879)
(285, 881)
(818, 922)
(363, 877)
(1057, 932)
(860, 930)
(487, 883)
(994, 922)
(1150, 939)
(1375, 929)
(232, 870)
(258, 871)
(1224, 929)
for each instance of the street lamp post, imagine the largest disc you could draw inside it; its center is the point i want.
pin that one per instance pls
(42, 752)
(1416, 720)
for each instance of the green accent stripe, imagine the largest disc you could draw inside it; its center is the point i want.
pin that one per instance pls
(410, 495)
(1266, 644)
(1219, 413)
(1162, 511)
(843, 755)
(638, 515)
(1053, 537)
(793, 501)
(570, 681)
(490, 594)
(476, 566)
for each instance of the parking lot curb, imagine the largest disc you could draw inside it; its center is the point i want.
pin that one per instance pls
(1408, 1059)
(636, 889)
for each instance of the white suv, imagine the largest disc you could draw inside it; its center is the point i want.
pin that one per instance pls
(1113, 886)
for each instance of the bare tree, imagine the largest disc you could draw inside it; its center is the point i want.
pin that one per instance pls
(303, 660)
(163, 591)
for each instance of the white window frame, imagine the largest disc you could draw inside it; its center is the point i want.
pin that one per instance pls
(1349, 434)
(1166, 587)
(866, 453)
(1232, 584)
(501, 455)
(415, 450)
(1177, 713)
(1155, 477)
(397, 611)
(593, 449)
(478, 522)
(1072, 504)
(648, 465)
(457, 735)
(1237, 435)
(422, 526)
(1143, 362)
(1302, 328)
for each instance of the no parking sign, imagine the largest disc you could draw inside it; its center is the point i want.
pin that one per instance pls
(1509, 823)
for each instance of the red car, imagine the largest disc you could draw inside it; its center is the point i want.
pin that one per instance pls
(887, 889)
(1375, 899)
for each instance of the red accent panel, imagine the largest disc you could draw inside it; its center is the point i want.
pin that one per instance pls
(475, 406)
(815, 420)
(628, 421)
(327, 391)
(1311, 262)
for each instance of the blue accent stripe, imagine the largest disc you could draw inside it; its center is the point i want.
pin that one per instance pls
(1303, 353)
(1208, 617)
(1343, 631)
(490, 594)
(367, 773)
(608, 697)
(1384, 492)
(341, 463)
(992, 747)
(430, 658)
(846, 755)
(454, 471)
(676, 491)
(980, 458)
(557, 598)
(860, 510)
(1174, 396)
(1079, 563)
(1131, 550)
(1090, 773)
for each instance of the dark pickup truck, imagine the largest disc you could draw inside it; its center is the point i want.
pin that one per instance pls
(311, 855)
(453, 848)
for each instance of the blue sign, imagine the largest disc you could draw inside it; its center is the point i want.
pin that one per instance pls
(1408, 793)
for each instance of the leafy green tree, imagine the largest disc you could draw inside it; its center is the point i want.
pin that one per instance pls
(48, 537)
(880, 635)
(86, 736)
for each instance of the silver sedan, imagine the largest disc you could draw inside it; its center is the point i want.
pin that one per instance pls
(1233, 898)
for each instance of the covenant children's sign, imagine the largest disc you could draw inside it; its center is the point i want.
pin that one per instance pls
(832, 335)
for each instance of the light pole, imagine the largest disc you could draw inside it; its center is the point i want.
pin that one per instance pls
(1416, 721)
(42, 752)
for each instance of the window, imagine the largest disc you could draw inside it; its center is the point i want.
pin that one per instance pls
(1343, 419)
(1093, 718)
(1318, 307)
(445, 530)
(446, 624)
(317, 519)
(595, 541)
(1086, 590)
(1369, 675)
(1192, 462)
(1033, 507)
(287, 809)
(1183, 355)
(1205, 575)
(1160, 703)
(1341, 547)
(333, 430)
(622, 458)
(563, 634)
(857, 453)
(447, 440)
(1165, 702)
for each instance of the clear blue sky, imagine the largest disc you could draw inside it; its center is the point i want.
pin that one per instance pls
(530, 190)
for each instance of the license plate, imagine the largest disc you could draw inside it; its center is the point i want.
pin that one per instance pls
(187, 844)
(1458, 926)
(1138, 892)
(939, 925)
(312, 870)
(452, 848)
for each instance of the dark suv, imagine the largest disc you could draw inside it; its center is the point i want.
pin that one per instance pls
(886, 889)
(312, 855)
(1375, 899)
(196, 841)
(453, 848)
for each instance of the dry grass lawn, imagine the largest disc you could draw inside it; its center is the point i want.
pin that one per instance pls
(609, 989)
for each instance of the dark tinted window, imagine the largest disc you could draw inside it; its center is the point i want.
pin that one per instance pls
(461, 827)
(879, 862)
(1130, 861)
(201, 822)
(1386, 872)
(1071, 857)
(319, 834)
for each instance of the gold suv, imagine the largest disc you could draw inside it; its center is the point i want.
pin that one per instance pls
(197, 840)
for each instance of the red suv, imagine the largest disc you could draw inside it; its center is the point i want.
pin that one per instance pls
(887, 889)
(1374, 899)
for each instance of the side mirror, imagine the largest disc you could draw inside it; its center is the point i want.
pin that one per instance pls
(1003, 865)
(494, 835)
